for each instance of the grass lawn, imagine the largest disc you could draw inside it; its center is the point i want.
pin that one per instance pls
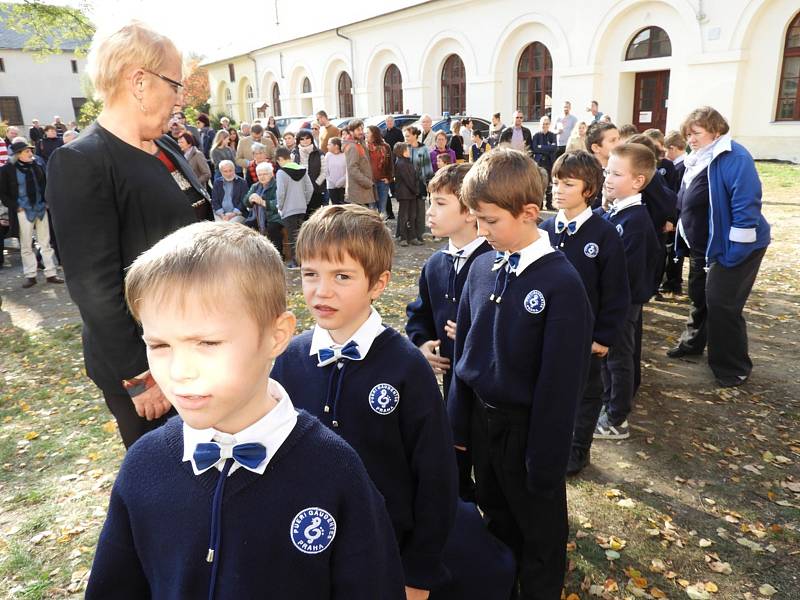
(702, 502)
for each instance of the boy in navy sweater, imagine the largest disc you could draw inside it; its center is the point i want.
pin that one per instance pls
(241, 496)
(595, 249)
(373, 387)
(630, 168)
(522, 355)
(432, 316)
(675, 150)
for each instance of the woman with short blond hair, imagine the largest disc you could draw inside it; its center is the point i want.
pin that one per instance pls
(113, 193)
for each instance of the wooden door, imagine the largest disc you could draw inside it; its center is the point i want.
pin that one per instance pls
(650, 100)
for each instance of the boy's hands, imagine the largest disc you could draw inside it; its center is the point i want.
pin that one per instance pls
(417, 594)
(438, 363)
(599, 349)
(151, 404)
(450, 329)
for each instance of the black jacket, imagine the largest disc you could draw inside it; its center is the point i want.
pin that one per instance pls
(47, 146)
(110, 202)
(392, 136)
(508, 132)
(405, 179)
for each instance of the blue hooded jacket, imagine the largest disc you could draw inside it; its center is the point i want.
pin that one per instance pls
(736, 226)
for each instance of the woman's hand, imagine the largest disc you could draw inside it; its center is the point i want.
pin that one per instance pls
(151, 404)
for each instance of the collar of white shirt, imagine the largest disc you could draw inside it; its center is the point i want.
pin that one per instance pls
(530, 254)
(621, 204)
(271, 430)
(466, 251)
(579, 220)
(679, 159)
(363, 337)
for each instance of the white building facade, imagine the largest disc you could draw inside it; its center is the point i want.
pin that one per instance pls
(32, 88)
(646, 62)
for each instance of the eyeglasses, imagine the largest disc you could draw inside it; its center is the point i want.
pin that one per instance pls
(176, 85)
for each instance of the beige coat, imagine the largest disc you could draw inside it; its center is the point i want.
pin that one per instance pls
(244, 151)
(359, 188)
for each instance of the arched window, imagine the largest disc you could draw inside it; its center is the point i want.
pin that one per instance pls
(276, 100)
(306, 86)
(454, 86)
(345, 89)
(652, 42)
(249, 92)
(228, 101)
(249, 109)
(393, 90)
(789, 95)
(534, 81)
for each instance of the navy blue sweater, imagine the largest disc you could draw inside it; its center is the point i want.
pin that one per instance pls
(435, 304)
(661, 202)
(693, 207)
(642, 250)
(408, 452)
(597, 253)
(156, 535)
(531, 350)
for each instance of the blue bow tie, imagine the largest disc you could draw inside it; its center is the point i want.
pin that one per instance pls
(561, 226)
(249, 455)
(513, 261)
(610, 213)
(501, 258)
(327, 356)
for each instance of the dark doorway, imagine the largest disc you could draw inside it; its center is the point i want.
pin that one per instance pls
(650, 100)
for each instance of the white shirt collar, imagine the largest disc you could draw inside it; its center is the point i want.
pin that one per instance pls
(678, 159)
(363, 337)
(466, 251)
(271, 430)
(621, 204)
(579, 220)
(529, 254)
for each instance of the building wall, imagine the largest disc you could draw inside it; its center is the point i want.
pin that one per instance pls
(729, 57)
(45, 88)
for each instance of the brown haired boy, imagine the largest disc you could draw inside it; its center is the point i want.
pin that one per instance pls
(595, 249)
(522, 355)
(371, 385)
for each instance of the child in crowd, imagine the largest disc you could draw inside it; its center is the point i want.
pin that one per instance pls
(665, 166)
(595, 249)
(335, 170)
(372, 386)
(601, 139)
(405, 190)
(294, 192)
(675, 147)
(442, 160)
(432, 316)
(522, 352)
(262, 202)
(200, 502)
(479, 147)
(626, 132)
(630, 168)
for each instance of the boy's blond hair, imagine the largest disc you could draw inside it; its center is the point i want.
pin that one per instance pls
(206, 262)
(448, 180)
(640, 157)
(347, 229)
(505, 177)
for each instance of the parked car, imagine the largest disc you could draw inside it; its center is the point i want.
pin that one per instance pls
(282, 122)
(443, 124)
(298, 124)
(400, 120)
(343, 122)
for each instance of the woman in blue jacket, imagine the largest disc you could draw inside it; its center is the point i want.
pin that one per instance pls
(725, 235)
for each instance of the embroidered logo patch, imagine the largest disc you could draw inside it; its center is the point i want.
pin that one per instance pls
(620, 230)
(591, 249)
(534, 302)
(383, 398)
(312, 530)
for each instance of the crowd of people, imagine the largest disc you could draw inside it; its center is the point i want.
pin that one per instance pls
(534, 325)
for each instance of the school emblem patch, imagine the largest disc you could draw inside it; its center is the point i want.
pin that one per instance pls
(383, 398)
(534, 302)
(312, 530)
(591, 249)
(620, 230)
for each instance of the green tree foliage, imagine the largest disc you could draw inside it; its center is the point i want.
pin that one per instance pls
(48, 27)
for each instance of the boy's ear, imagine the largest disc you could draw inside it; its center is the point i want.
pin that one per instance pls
(281, 333)
(380, 285)
(639, 182)
(530, 212)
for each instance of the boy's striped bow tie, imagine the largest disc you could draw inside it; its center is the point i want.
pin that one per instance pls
(249, 455)
(327, 356)
(501, 258)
